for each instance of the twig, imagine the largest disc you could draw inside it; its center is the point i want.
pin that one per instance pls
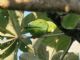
(66, 51)
(52, 34)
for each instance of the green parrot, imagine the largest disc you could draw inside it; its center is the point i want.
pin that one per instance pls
(40, 27)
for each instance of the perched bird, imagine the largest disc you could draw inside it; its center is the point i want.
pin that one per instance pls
(40, 27)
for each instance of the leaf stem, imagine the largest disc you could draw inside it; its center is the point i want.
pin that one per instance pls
(66, 51)
(52, 34)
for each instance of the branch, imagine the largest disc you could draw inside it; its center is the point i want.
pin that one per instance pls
(42, 5)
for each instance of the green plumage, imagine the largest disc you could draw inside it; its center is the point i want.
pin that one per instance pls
(40, 27)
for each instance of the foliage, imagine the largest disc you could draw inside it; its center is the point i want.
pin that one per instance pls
(74, 18)
(49, 41)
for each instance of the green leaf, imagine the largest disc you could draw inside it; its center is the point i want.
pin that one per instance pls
(62, 42)
(27, 19)
(23, 44)
(5, 31)
(70, 21)
(68, 56)
(57, 40)
(5, 44)
(57, 55)
(28, 56)
(42, 15)
(4, 17)
(8, 50)
(23, 47)
(50, 39)
(42, 53)
(40, 49)
(15, 22)
(71, 56)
